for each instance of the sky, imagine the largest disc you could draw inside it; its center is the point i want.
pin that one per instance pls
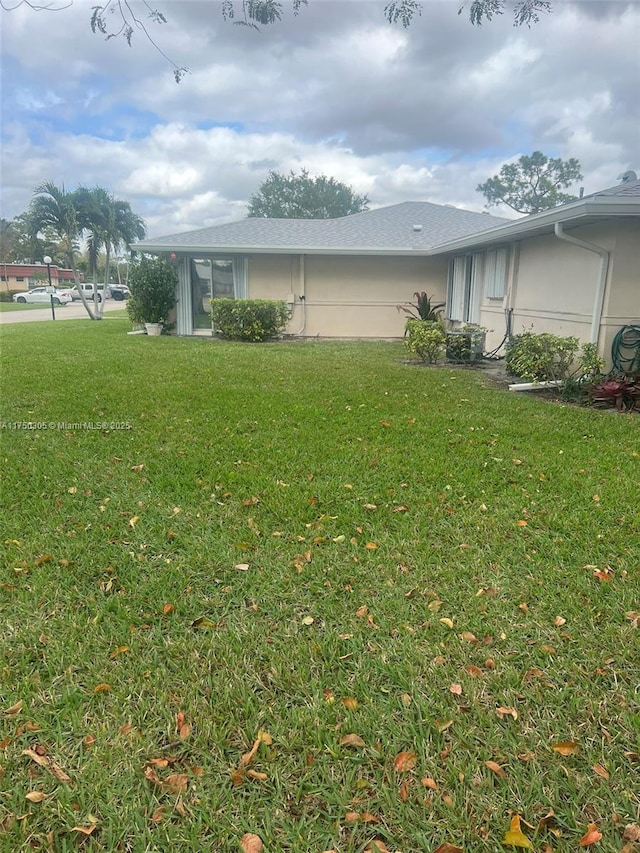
(419, 114)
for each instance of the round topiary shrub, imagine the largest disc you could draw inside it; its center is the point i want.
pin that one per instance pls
(153, 283)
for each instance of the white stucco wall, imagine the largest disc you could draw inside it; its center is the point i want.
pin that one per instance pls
(346, 296)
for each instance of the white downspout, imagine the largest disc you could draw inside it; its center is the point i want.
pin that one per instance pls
(602, 278)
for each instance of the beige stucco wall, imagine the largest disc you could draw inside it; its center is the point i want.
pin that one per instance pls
(553, 285)
(346, 296)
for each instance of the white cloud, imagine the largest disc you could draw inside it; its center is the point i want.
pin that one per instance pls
(424, 113)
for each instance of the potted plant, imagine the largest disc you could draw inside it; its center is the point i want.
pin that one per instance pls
(152, 282)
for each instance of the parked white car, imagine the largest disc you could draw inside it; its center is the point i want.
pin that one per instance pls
(87, 289)
(43, 294)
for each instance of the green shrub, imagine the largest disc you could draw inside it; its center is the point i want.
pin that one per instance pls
(153, 283)
(7, 295)
(425, 339)
(249, 319)
(540, 358)
(423, 308)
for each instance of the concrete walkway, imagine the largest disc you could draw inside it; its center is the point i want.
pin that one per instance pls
(72, 311)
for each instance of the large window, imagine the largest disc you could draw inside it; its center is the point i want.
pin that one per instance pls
(470, 278)
(214, 278)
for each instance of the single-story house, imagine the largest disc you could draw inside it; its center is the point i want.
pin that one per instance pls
(572, 270)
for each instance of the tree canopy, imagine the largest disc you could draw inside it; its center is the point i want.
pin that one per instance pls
(300, 196)
(118, 18)
(106, 222)
(533, 183)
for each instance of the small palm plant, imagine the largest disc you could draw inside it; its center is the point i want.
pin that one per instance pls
(423, 308)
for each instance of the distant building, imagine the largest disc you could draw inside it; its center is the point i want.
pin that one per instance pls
(26, 276)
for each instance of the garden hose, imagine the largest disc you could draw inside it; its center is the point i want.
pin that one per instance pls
(625, 350)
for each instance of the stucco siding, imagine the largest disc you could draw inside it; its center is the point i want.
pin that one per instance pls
(346, 296)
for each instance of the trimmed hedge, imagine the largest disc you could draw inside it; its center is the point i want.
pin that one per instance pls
(253, 320)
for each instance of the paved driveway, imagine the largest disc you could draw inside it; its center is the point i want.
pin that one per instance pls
(72, 311)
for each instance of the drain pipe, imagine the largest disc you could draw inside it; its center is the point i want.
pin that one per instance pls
(602, 277)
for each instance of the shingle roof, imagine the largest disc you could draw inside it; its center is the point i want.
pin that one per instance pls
(384, 229)
(626, 188)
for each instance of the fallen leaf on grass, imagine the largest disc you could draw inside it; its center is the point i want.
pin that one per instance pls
(251, 843)
(84, 830)
(495, 768)
(202, 622)
(361, 612)
(447, 622)
(591, 836)
(14, 709)
(352, 740)
(515, 836)
(121, 650)
(566, 747)
(559, 621)
(350, 702)
(631, 832)
(634, 617)
(507, 712)
(430, 783)
(456, 689)
(36, 796)
(45, 761)
(255, 774)
(102, 688)
(601, 771)
(133, 521)
(474, 671)
(376, 846)
(158, 814)
(405, 761)
(241, 567)
(448, 848)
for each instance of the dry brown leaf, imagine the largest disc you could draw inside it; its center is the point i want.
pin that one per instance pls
(167, 609)
(350, 702)
(591, 836)
(85, 830)
(456, 689)
(448, 848)
(251, 843)
(237, 777)
(377, 845)
(559, 621)
(361, 612)
(125, 729)
(495, 768)
(14, 709)
(121, 650)
(474, 671)
(4, 743)
(36, 796)
(158, 814)
(447, 622)
(133, 521)
(352, 817)
(468, 637)
(241, 567)
(601, 771)
(254, 774)
(371, 546)
(566, 747)
(176, 783)
(102, 688)
(249, 756)
(430, 783)
(264, 737)
(352, 740)
(405, 761)
(45, 761)
(631, 832)
(507, 712)
(42, 559)
(367, 817)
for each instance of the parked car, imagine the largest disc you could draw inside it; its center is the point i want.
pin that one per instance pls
(87, 289)
(43, 294)
(119, 292)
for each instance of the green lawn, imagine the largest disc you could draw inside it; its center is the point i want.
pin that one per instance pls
(354, 557)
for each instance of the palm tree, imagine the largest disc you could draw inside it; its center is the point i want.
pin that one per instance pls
(110, 223)
(54, 209)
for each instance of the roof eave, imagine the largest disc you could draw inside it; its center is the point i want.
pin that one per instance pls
(148, 246)
(583, 209)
